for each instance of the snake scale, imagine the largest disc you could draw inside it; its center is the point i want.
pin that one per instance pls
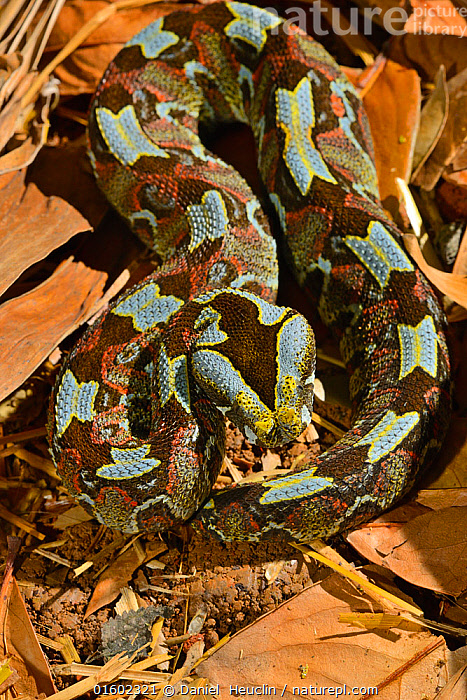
(136, 423)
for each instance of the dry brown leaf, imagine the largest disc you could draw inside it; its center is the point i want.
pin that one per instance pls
(454, 286)
(460, 265)
(66, 172)
(456, 612)
(427, 53)
(456, 688)
(394, 124)
(396, 17)
(302, 645)
(23, 37)
(436, 499)
(12, 114)
(451, 201)
(32, 226)
(436, 17)
(24, 155)
(432, 121)
(366, 78)
(352, 74)
(449, 157)
(73, 516)
(34, 323)
(21, 644)
(452, 461)
(270, 461)
(114, 578)
(81, 71)
(428, 550)
(116, 30)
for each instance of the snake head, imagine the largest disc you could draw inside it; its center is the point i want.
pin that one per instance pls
(283, 425)
(255, 361)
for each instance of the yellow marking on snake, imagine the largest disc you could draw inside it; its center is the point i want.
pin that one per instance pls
(128, 464)
(147, 307)
(419, 347)
(124, 136)
(173, 379)
(250, 24)
(74, 400)
(299, 485)
(379, 253)
(296, 116)
(388, 434)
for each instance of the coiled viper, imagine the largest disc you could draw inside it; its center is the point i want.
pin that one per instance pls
(137, 416)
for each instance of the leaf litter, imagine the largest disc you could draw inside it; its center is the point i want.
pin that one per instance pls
(296, 625)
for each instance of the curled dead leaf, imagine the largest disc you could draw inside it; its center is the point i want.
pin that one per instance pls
(427, 550)
(448, 157)
(426, 53)
(432, 121)
(114, 578)
(454, 286)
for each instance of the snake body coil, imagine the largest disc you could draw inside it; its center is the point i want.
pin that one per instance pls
(137, 416)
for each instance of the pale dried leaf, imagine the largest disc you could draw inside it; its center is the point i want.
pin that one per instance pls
(270, 461)
(27, 656)
(428, 550)
(454, 286)
(305, 631)
(456, 688)
(114, 578)
(394, 125)
(72, 516)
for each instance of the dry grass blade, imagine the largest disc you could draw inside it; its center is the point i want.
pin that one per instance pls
(23, 127)
(22, 524)
(79, 37)
(334, 429)
(358, 579)
(9, 14)
(101, 674)
(106, 673)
